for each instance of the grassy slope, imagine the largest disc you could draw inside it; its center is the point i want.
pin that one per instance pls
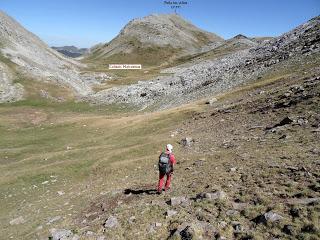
(84, 151)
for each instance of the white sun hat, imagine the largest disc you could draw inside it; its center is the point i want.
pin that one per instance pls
(169, 147)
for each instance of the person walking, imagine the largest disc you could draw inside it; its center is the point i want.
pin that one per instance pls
(166, 163)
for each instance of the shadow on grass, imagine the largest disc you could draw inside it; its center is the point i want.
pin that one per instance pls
(140, 191)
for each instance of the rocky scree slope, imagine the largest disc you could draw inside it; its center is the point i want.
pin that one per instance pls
(213, 76)
(157, 34)
(32, 57)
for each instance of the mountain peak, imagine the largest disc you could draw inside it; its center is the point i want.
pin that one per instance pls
(167, 34)
(240, 36)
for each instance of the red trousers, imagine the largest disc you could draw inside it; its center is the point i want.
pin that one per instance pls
(161, 180)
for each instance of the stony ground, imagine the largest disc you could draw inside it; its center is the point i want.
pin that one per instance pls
(248, 169)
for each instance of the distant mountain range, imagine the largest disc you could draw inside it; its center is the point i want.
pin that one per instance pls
(71, 51)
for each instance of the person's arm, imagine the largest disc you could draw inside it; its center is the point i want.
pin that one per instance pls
(173, 161)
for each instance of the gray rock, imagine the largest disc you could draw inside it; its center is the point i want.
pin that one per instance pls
(272, 216)
(54, 219)
(288, 229)
(111, 222)
(212, 101)
(132, 219)
(157, 224)
(232, 212)
(268, 217)
(187, 142)
(181, 200)
(101, 237)
(194, 230)
(61, 234)
(17, 221)
(171, 213)
(213, 196)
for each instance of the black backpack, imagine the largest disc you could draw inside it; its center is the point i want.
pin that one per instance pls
(164, 163)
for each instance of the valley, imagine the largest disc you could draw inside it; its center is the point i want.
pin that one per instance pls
(79, 143)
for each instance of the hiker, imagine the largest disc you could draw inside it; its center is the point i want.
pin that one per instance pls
(166, 162)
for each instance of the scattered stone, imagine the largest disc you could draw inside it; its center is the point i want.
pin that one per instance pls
(151, 229)
(211, 101)
(171, 213)
(222, 224)
(157, 224)
(288, 229)
(187, 142)
(315, 151)
(239, 206)
(233, 169)
(302, 121)
(297, 88)
(90, 233)
(194, 230)
(132, 219)
(54, 219)
(111, 222)
(61, 234)
(232, 212)
(237, 227)
(60, 193)
(183, 201)
(17, 221)
(213, 196)
(272, 217)
(39, 228)
(268, 217)
(186, 233)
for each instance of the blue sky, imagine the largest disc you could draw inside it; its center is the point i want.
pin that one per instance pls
(84, 23)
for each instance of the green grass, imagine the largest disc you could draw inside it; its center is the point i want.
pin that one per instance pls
(74, 141)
